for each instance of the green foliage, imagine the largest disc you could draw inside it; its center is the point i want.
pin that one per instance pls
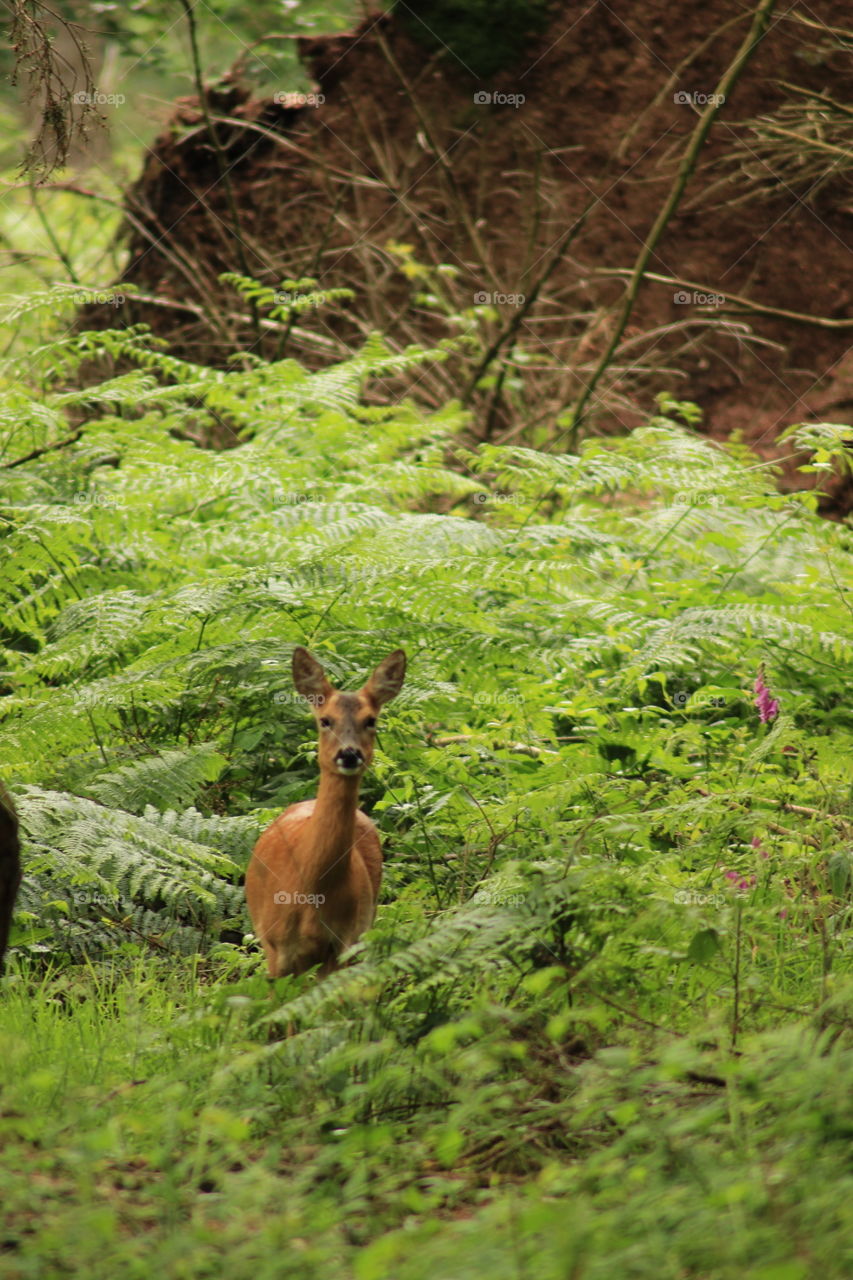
(143, 1128)
(585, 629)
(603, 874)
(151, 35)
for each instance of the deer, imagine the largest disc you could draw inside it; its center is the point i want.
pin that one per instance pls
(313, 878)
(10, 866)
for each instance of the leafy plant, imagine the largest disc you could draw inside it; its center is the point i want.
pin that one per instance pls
(614, 799)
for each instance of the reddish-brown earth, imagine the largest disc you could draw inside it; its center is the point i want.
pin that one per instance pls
(400, 151)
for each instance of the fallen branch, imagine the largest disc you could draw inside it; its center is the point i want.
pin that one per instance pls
(797, 317)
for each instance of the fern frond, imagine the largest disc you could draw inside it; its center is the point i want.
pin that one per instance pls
(168, 779)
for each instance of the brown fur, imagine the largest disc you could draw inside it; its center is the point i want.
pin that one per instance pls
(10, 866)
(325, 850)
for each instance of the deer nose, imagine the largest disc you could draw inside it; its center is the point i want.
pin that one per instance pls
(349, 759)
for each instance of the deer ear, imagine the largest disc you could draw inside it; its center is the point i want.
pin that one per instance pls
(310, 678)
(387, 680)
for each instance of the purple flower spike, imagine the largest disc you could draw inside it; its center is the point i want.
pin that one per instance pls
(768, 706)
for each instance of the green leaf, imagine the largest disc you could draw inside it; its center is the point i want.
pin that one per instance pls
(704, 946)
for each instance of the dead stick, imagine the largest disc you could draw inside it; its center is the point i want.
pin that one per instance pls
(685, 171)
(797, 317)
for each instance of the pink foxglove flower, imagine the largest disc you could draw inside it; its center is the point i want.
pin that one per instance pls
(768, 706)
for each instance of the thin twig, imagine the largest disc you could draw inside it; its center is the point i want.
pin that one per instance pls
(797, 317)
(530, 298)
(685, 171)
(673, 80)
(458, 196)
(37, 453)
(221, 164)
(736, 1002)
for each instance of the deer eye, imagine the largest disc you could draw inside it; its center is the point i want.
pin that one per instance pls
(325, 722)
(370, 722)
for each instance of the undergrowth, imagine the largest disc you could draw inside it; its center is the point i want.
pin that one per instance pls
(600, 1026)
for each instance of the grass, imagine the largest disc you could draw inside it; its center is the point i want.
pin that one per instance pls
(147, 1125)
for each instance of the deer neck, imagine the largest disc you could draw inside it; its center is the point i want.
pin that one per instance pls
(331, 828)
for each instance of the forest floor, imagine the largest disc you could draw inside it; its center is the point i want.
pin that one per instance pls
(396, 182)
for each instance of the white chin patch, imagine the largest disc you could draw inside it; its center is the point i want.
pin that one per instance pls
(348, 773)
